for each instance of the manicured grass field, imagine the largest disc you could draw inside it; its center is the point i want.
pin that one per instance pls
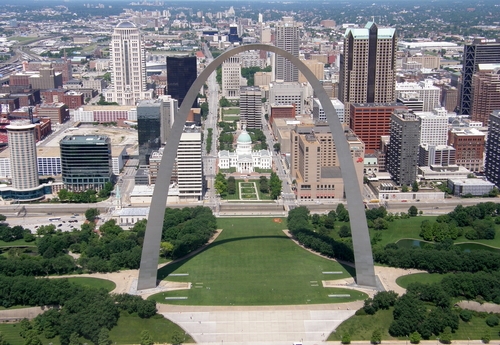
(410, 228)
(128, 330)
(401, 228)
(231, 118)
(424, 278)
(231, 111)
(253, 262)
(362, 327)
(93, 282)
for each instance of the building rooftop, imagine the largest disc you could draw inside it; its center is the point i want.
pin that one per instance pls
(126, 25)
(86, 139)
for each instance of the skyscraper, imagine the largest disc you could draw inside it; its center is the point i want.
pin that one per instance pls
(189, 166)
(486, 90)
(181, 74)
(492, 161)
(23, 160)
(287, 38)
(368, 66)
(154, 121)
(479, 52)
(231, 77)
(85, 161)
(128, 66)
(402, 153)
(251, 106)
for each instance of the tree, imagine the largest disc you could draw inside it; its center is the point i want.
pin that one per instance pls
(486, 337)
(345, 231)
(415, 338)
(492, 320)
(445, 337)
(376, 337)
(413, 211)
(277, 147)
(74, 339)
(414, 187)
(346, 338)
(91, 214)
(342, 214)
(103, 337)
(275, 185)
(178, 338)
(146, 338)
(404, 188)
(32, 338)
(166, 248)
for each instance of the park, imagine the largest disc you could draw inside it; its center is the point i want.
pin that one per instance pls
(253, 262)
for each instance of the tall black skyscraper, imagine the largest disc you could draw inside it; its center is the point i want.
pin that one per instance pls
(480, 51)
(181, 74)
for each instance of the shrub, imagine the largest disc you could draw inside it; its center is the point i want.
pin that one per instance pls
(486, 338)
(415, 338)
(466, 315)
(492, 320)
(346, 338)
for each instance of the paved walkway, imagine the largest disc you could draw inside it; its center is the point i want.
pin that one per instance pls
(277, 325)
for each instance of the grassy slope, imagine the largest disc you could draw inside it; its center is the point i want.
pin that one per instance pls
(252, 262)
(93, 282)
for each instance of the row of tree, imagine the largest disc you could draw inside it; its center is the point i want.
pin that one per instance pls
(88, 196)
(303, 231)
(188, 229)
(442, 258)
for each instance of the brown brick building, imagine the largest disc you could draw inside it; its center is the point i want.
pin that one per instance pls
(370, 121)
(469, 145)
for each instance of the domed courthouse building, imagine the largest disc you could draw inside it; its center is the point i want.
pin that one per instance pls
(244, 159)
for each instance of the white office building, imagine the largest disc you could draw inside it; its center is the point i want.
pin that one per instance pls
(128, 66)
(287, 93)
(433, 128)
(189, 166)
(319, 112)
(423, 91)
(231, 77)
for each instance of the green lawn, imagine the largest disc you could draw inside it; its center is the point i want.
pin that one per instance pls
(253, 262)
(129, 329)
(401, 228)
(362, 327)
(425, 278)
(410, 228)
(231, 118)
(231, 111)
(475, 329)
(93, 282)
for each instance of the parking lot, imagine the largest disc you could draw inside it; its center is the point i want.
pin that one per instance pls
(63, 223)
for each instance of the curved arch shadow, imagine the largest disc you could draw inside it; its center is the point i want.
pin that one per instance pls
(365, 273)
(164, 271)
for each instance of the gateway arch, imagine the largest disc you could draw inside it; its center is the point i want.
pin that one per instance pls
(365, 274)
